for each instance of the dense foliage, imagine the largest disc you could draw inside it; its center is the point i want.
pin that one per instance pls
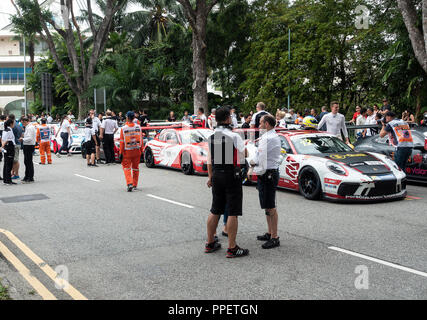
(148, 60)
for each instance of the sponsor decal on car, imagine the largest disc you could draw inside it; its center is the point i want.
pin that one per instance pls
(389, 196)
(416, 171)
(374, 163)
(418, 158)
(347, 155)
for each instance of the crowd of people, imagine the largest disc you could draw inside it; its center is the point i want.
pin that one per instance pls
(224, 174)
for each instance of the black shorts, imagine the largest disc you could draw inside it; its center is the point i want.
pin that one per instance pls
(267, 185)
(226, 191)
(90, 147)
(98, 141)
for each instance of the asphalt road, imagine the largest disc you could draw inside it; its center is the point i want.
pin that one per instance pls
(119, 245)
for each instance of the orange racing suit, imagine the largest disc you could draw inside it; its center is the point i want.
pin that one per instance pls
(43, 138)
(131, 146)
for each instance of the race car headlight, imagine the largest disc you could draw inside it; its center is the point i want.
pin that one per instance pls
(336, 168)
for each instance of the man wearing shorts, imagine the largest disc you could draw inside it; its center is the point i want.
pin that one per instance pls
(266, 167)
(226, 152)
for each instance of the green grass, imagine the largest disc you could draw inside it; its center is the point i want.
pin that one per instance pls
(4, 293)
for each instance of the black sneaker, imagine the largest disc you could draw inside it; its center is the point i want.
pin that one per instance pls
(211, 247)
(264, 237)
(237, 252)
(272, 243)
(130, 188)
(224, 234)
(216, 239)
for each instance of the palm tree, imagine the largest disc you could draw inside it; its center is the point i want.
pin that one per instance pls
(153, 21)
(28, 27)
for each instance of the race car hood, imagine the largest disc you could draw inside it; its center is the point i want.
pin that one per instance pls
(361, 161)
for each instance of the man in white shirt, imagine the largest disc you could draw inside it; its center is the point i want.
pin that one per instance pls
(96, 124)
(360, 121)
(108, 128)
(335, 122)
(256, 118)
(234, 122)
(211, 119)
(49, 119)
(370, 119)
(266, 167)
(29, 142)
(65, 133)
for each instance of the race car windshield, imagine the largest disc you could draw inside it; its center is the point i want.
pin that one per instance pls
(194, 136)
(319, 144)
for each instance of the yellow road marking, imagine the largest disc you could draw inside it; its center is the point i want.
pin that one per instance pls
(33, 281)
(68, 288)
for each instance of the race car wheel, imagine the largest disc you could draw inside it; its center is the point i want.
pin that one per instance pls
(149, 158)
(309, 183)
(186, 164)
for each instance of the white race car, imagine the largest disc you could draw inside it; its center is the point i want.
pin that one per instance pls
(319, 165)
(75, 141)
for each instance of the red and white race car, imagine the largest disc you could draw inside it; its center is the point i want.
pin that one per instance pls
(179, 147)
(319, 165)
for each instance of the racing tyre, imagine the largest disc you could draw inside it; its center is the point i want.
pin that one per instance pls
(186, 164)
(149, 158)
(309, 183)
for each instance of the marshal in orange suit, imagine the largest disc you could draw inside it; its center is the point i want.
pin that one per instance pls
(43, 138)
(131, 146)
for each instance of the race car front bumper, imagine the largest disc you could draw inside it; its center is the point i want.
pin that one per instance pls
(380, 190)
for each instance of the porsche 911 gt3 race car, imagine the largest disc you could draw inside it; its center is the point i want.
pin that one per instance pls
(180, 147)
(320, 165)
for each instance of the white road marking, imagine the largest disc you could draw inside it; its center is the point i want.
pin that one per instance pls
(86, 177)
(36, 163)
(170, 201)
(386, 263)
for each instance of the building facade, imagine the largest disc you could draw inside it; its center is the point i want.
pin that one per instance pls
(12, 71)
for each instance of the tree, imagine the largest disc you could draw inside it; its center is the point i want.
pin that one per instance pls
(153, 22)
(228, 30)
(83, 61)
(28, 28)
(197, 18)
(417, 35)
